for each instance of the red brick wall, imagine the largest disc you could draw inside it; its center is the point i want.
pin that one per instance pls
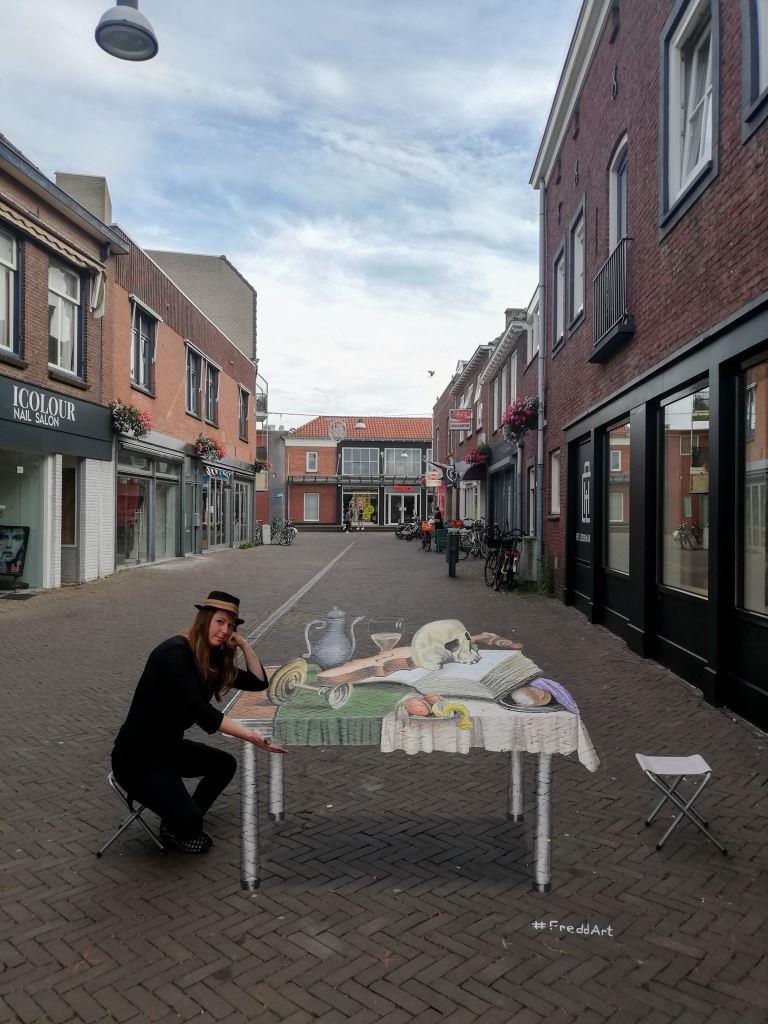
(296, 459)
(327, 494)
(136, 274)
(706, 267)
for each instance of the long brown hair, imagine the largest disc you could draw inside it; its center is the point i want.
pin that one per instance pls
(215, 665)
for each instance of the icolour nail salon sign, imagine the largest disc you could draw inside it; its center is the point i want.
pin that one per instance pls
(46, 421)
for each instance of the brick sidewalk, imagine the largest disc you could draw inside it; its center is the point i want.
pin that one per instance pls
(395, 890)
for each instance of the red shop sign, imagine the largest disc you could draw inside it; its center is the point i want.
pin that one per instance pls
(404, 488)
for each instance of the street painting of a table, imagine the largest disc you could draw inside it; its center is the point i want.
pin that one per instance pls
(448, 691)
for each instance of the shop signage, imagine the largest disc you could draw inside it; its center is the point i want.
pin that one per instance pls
(218, 473)
(404, 488)
(47, 421)
(460, 419)
(433, 478)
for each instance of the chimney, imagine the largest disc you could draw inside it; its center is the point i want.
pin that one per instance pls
(90, 191)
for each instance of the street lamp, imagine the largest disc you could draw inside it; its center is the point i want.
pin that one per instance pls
(125, 33)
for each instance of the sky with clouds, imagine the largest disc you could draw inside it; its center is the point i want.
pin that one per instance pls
(364, 163)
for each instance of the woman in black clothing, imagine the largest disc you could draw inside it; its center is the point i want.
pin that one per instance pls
(151, 758)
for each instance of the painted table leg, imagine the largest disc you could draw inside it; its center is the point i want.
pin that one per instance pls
(249, 820)
(276, 807)
(515, 786)
(542, 840)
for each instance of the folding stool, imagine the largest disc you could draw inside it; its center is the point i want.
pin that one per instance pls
(658, 770)
(134, 814)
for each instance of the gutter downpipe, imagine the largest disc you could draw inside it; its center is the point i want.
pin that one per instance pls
(539, 548)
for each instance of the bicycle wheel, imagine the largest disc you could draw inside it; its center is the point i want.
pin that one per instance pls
(499, 579)
(489, 572)
(465, 546)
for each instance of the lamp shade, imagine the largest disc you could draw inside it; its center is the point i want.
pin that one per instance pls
(124, 32)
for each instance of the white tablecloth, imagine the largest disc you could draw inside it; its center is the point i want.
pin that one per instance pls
(493, 728)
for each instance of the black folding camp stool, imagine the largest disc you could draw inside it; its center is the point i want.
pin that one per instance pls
(658, 770)
(134, 814)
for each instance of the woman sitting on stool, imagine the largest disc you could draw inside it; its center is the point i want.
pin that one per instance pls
(151, 758)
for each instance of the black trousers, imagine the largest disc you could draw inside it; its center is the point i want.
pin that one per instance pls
(162, 789)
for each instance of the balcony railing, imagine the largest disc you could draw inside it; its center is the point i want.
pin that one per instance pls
(614, 323)
(260, 405)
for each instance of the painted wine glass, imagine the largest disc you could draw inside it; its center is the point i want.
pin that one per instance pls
(385, 632)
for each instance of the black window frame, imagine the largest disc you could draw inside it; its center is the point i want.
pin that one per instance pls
(754, 104)
(558, 343)
(671, 211)
(212, 372)
(193, 354)
(138, 313)
(574, 320)
(243, 412)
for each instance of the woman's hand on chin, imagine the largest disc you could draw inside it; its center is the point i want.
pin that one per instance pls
(234, 640)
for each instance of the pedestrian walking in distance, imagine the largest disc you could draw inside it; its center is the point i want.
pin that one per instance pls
(151, 757)
(347, 521)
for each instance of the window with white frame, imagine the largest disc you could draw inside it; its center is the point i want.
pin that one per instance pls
(559, 300)
(194, 374)
(577, 268)
(242, 414)
(532, 336)
(402, 461)
(615, 460)
(479, 411)
(311, 465)
(761, 34)
(616, 507)
(211, 394)
(495, 419)
(690, 66)
(437, 444)
(504, 390)
(513, 377)
(143, 328)
(554, 483)
(617, 195)
(467, 404)
(8, 291)
(427, 459)
(755, 71)
(360, 461)
(311, 508)
(63, 318)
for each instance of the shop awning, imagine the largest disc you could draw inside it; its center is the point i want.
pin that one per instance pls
(468, 471)
(218, 473)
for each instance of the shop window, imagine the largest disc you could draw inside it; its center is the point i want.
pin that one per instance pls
(685, 493)
(577, 250)
(9, 293)
(69, 506)
(690, 77)
(311, 508)
(311, 462)
(617, 491)
(755, 490)
(360, 461)
(242, 414)
(754, 19)
(143, 328)
(211, 394)
(193, 381)
(554, 483)
(64, 321)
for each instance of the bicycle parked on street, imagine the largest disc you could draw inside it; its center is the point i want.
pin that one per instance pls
(503, 560)
(689, 536)
(283, 531)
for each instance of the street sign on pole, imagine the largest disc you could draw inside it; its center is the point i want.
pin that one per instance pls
(460, 419)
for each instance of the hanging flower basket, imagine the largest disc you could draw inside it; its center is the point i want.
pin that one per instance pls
(262, 465)
(480, 455)
(127, 419)
(520, 417)
(208, 448)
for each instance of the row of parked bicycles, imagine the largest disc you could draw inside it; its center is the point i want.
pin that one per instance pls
(282, 531)
(500, 548)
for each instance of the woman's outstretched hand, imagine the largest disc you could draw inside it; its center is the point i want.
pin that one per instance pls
(264, 744)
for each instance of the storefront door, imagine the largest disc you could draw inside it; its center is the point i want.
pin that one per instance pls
(581, 524)
(215, 501)
(401, 508)
(241, 512)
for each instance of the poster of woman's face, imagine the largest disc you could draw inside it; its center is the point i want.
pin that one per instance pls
(13, 549)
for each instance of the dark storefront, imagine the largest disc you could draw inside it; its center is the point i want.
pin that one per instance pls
(667, 510)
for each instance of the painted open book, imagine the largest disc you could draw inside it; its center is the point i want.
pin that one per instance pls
(495, 674)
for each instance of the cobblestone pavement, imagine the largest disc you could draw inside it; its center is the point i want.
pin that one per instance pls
(395, 890)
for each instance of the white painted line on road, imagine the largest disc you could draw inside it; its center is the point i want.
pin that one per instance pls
(278, 613)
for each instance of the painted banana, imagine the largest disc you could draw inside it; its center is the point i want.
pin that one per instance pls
(447, 709)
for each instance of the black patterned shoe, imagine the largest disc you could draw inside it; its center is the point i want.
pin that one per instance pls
(199, 844)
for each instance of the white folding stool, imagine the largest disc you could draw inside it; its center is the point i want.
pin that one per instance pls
(658, 770)
(134, 814)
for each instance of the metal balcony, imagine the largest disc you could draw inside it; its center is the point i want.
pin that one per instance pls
(260, 405)
(614, 324)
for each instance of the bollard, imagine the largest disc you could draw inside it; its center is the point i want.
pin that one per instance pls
(452, 551)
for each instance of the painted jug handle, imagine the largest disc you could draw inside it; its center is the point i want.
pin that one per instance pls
(352, 632)
(316, 622)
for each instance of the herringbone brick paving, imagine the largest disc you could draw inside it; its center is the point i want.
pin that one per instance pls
(395, 889)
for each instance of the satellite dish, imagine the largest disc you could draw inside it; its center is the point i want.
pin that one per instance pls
(337, 430)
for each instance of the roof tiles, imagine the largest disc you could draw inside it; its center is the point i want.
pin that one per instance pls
(377, 428)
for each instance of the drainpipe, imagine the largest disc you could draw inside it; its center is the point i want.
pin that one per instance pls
(541, 364)
(519, 474)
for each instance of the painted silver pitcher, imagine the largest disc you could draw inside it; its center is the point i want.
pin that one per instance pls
(331, 646)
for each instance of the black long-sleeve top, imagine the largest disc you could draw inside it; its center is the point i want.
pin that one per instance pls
(169, 699)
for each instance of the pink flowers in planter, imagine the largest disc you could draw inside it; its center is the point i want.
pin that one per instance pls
(208, 448)
(128, 419)
(479, 455)
(520, 416)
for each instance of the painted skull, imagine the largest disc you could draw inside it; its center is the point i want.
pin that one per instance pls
(443, 641)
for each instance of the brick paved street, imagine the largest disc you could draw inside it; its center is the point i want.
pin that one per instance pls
(395, 890)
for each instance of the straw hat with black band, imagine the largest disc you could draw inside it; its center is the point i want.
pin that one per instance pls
(221, 601)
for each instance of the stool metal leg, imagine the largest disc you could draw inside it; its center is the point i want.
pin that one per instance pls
(515, 783)
(128, 821)
(134, 814)
(685, 811)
